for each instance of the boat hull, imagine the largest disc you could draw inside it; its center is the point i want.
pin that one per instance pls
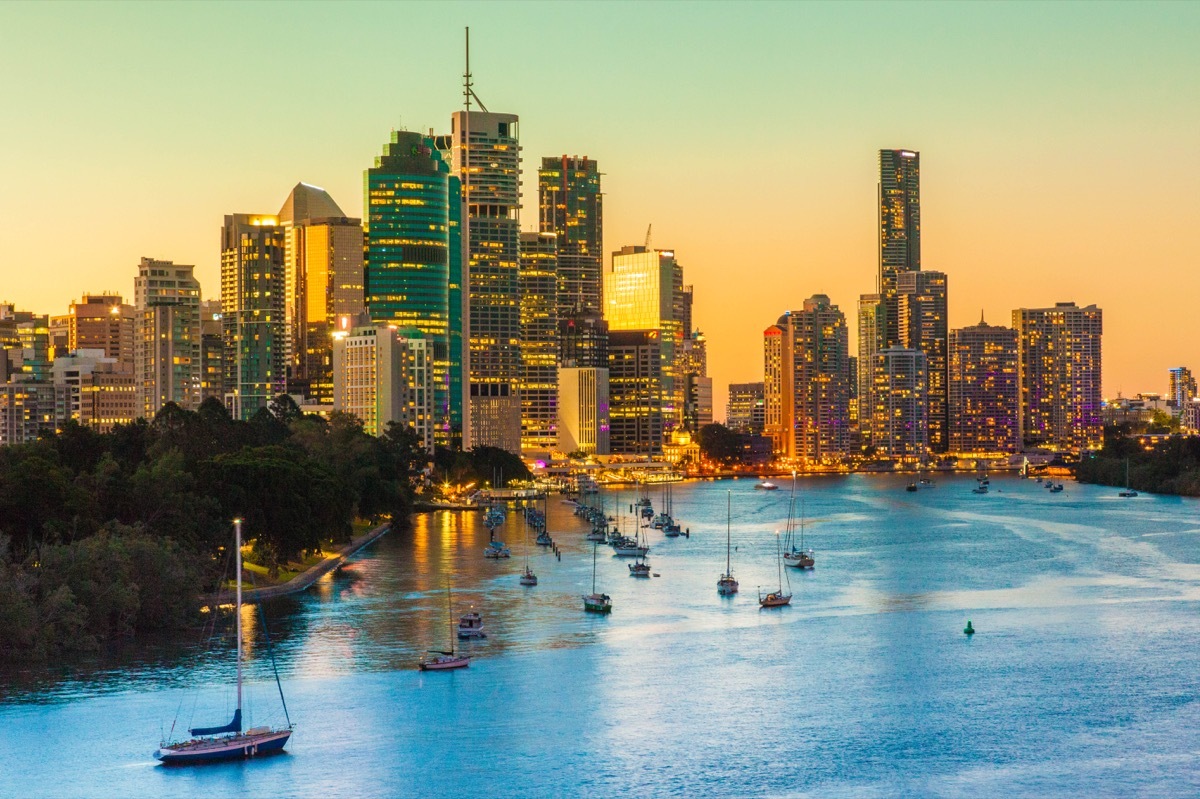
(597, 605)
(798, 560)
(444, 664)
(234, 748)
(775, 600)
(727, 587)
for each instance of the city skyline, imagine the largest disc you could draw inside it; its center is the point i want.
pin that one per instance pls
(1014, 205)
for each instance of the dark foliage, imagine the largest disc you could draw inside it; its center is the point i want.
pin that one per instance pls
(1173, 467)
(103, 536)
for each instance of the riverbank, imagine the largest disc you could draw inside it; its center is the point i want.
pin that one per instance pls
(306, 578)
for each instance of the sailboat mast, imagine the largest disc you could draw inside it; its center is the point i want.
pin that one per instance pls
(594, 568)
(237, 539)
(450, 613)
(728, 522)
(779, 560)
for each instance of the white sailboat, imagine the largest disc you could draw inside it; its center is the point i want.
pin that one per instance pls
(442, 660)
(528, 577)
(778, 598)
(727, 586)
(228, 741)
(795, 556)
(596, 602)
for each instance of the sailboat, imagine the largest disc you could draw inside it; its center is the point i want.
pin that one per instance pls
(228, 741)
(443, 660)
(639, 567)
(594, 602)
(776, 598)
(727, 586)
(1128, 492)
(793, 555)
(528, 577)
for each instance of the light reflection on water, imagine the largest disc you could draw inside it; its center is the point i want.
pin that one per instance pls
(1079, 680)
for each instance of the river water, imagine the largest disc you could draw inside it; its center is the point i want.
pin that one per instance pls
(1081, 680)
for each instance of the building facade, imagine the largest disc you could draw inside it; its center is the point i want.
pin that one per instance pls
(571, 207)
(583, 408)
(323, 280)
(381, 377)
(870, 317)
(644, 291)
(900, 425)
(168, 359)
(635, 389)
(1059, 374)
(744, 411)
(102, 322)
(414, 261)
(982, 390)
(252, 312)
(485, 152)
(899, 233)
(539, 341)
(1181, 387)
(93, 389)
(922, 308)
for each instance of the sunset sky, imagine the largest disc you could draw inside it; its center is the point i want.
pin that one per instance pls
(1060, 143)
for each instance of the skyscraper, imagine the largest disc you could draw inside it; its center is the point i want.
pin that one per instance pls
(539, 341)
(583, 408)
(488, 160)
(252, 312)
(635, 390)
(900, 427)
(381, 377)
(1181, 388)
(692, 366)
(414, 261)
(571, 207)
(922, 322)
(744, 411)
(870, 319)
(1059, 367)
(643, 291)
(168, 362)
(323, 277)
(982, 389)
(899, 232)
(102, 322)
(806, 372)
(212, 351)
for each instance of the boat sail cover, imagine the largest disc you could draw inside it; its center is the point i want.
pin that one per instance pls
(233, 726)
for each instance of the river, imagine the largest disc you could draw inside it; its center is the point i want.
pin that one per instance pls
(1081, 679)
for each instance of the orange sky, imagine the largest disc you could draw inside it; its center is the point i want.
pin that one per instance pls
(1059, 143)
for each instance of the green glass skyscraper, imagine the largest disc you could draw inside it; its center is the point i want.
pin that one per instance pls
(414, 261)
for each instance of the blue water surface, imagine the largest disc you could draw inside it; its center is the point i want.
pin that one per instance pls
(1081, 680)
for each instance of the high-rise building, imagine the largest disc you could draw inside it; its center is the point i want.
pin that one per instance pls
(571, 207)
(635, 392)
(102, 322)
(644, 291)
(899, 233)
(691, 360)
(1182, 387)
(212, 351)
(922, 308)
(381, 377)
(539, 341)
(93, 389)
(167, 359)
(870, 319)
(323, 280)
(583, 408)
(899, 425)
(484, 150)
(27, 408)
(1059, 369)
(414, 261)
(811, 347)
(744, 411)
(252, 311)
(982, 389)
(583, 341)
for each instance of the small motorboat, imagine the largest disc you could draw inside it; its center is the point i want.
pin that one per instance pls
(911, 487)
(470, 625)
(980, 489)
(766, 485)
(544, 540)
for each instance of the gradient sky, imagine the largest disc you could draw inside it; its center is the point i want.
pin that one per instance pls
(1060, 143)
